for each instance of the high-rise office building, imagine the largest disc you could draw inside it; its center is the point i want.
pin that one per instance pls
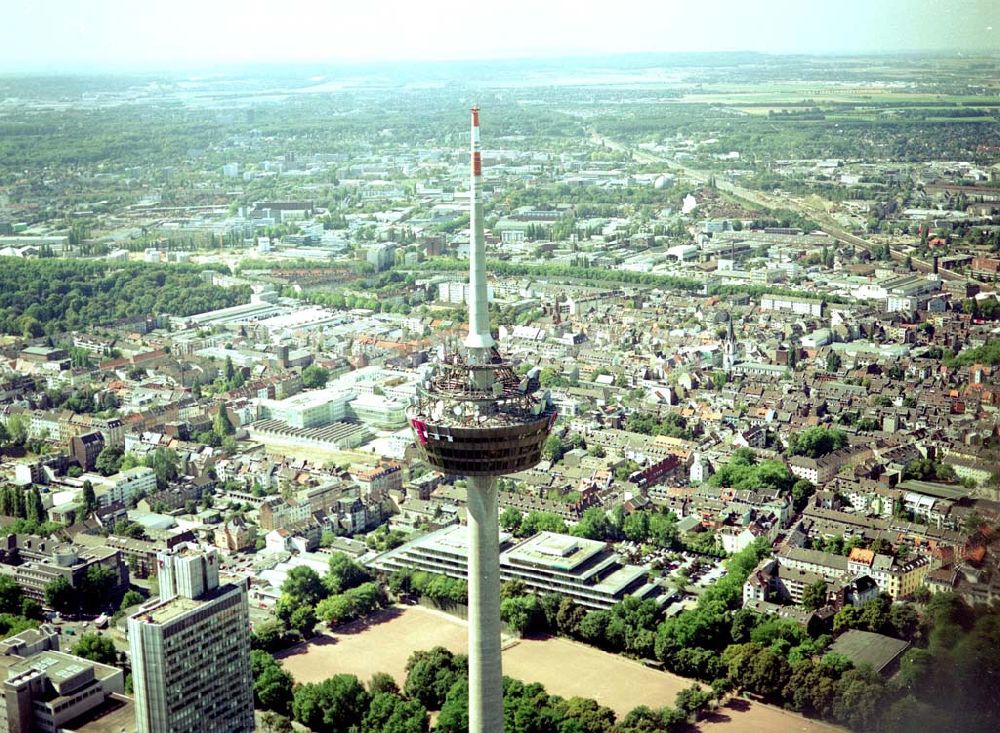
(191, 650)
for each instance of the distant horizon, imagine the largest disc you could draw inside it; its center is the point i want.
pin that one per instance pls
(343, 63)
(65, 36)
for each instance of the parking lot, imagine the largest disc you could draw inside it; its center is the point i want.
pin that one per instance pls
(675, 569)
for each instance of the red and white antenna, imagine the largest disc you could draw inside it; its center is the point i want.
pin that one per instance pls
(477, 163)
(479, 341)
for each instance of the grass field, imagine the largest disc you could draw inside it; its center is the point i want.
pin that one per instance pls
(564, 667)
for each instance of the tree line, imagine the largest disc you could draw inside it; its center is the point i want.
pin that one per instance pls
(437, 680)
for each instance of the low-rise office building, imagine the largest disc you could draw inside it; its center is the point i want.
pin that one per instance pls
(34, 562)
(45, 689)
(585, 570)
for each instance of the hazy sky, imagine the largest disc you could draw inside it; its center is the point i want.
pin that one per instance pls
(141, 34)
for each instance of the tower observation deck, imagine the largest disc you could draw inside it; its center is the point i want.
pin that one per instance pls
(480, 419)
(476, 417)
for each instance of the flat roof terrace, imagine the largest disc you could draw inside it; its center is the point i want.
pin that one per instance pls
(552, 551)
(166, 611)
(315, 398)
(620, 579)
(937, 490)
(162, 612)
(453, 540)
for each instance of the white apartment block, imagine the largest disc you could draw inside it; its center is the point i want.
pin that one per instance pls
(788, 304)
(122, 486)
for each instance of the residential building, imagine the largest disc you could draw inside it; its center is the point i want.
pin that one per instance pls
(814, 470)
(277, 540)
(825, 468)
(122, 486)
(759, 369)
(277, 513)
(235, 535)
(831, 567)
(377, 482)
(85, 448)
(735, 538)
(701, 469)
(774, 581)
(898, 578)
(381, 255)
(458, 293)
(789, 304)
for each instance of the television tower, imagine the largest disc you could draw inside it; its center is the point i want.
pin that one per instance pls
(474, 416)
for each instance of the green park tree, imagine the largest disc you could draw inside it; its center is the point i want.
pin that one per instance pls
(131, 598)
(833, 362)
(11, 595)
(814, 595)
(304, 585)
(816, 442)
(389, 712)
(60, 595)
(336, 705)
(96, 648)
(430, 675)
(89, 498)
(221, 424)
(315, 376)
(553, 449)
(108, 461)
(272, 684)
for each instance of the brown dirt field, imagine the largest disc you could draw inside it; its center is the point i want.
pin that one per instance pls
(569, 669)
(382, 643)
(743, 716)
(564, 667)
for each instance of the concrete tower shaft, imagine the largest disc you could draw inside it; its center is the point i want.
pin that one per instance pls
(485, 666)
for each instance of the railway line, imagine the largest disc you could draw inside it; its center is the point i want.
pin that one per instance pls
(769, 201)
